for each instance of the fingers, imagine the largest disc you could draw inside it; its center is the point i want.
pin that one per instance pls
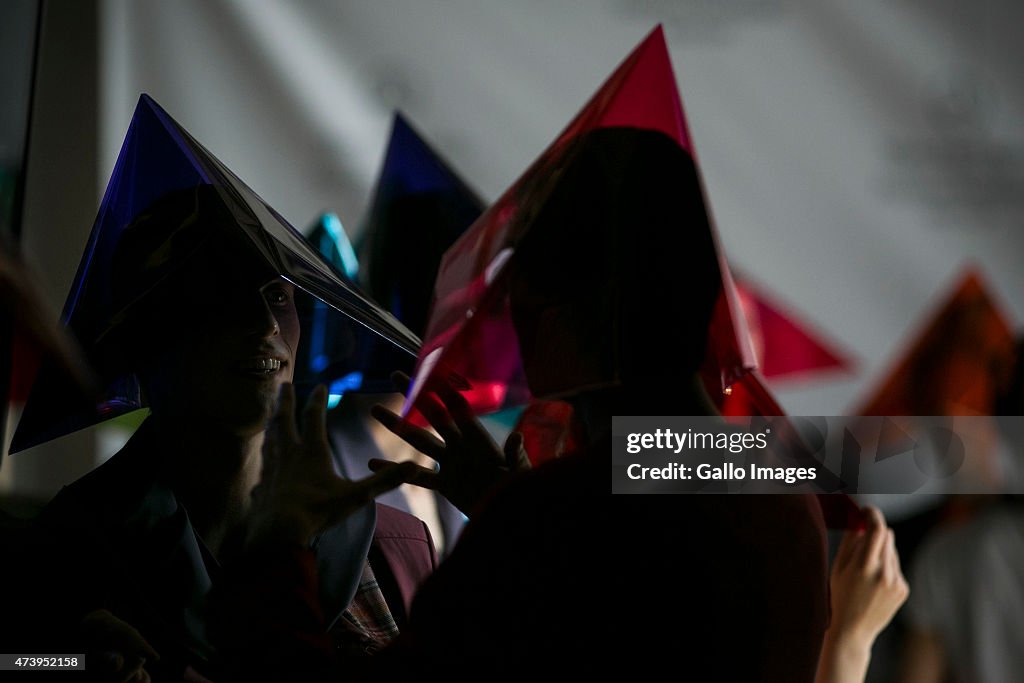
(439, 418)
(870, 554)
(123, 652)
(401, 381)
(381, 481)
(410, 471)
(514, 451)
(455, 402)
(314, 419)
(893, 573)
(136, 673)
(420, 439)
(888, 558)
(452, 416)
(897, 569)
(283, 422)
(847, 548)
(102, 625)
(280, 432)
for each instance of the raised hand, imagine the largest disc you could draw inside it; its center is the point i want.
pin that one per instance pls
(470, 462)
(867, 589)
(299, 493)
(867, 583)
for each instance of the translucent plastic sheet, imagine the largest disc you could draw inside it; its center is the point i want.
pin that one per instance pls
(420, 207)
(159, 159)
(786, 348)
(957, 364)
(330, 349)
(469, 338)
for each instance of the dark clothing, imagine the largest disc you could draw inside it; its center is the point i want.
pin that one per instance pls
(118, 539)
(557, 571)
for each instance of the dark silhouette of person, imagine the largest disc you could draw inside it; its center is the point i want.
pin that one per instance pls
(210, 329)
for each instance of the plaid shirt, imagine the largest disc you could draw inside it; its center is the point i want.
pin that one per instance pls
(367, 625)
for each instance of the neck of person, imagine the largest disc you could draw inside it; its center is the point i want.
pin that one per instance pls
(663, 396)
(212, 472)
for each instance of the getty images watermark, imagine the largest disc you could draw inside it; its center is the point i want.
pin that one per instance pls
(974, 454)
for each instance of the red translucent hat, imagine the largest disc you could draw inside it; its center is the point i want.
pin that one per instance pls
(958, 364)
(470, 336)
(786, 347)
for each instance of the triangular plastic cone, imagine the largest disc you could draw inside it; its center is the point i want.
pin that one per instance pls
(330, 240)
(420, 207)
(959, 362)
(158, 159)
(785, 347)
(325, 354)
(470, 334)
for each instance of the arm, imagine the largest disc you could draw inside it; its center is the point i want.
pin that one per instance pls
(867, 589)
(265, 611)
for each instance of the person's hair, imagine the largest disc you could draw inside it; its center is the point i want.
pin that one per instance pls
(617, 276)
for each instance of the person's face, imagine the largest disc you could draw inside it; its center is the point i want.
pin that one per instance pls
(235, 350)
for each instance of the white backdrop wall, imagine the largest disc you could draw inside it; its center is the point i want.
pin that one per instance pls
(857, 155)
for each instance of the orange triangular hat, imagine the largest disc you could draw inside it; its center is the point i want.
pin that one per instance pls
(957, 364)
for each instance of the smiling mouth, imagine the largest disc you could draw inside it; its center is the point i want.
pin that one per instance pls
(260, 366)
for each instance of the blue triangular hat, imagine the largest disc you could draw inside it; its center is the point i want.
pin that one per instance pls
(159, 157)
(324, 355)
(420, 207)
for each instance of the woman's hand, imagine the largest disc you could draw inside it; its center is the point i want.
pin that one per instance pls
(470, 461)
(867, 589)
(867, 584)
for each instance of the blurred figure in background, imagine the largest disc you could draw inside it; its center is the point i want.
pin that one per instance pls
(966, 616)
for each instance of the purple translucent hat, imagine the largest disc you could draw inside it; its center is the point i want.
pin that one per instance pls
(159, 158)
